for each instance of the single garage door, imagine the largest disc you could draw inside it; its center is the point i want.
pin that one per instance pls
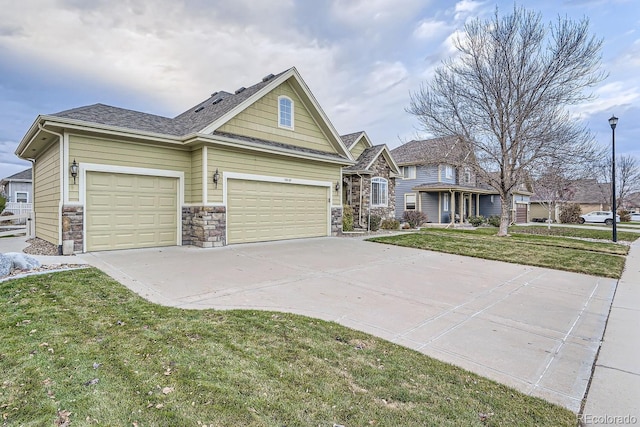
(259, 211)
(130, 211)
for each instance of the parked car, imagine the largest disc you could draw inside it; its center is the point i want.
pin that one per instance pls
(635, 217)
(599, 216)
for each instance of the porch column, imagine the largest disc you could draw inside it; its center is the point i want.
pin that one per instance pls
(452, 213)
(477, 204)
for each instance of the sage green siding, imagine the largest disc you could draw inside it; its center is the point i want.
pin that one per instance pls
(359, 148)
(124, 153)
(47, 194)
(241, 161)
(260, 120)
(196, 176)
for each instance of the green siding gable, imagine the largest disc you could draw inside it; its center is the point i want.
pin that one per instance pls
(260, 120)
(357, 149)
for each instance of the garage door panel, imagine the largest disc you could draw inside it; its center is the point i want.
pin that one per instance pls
(130, 211)
(263, 211)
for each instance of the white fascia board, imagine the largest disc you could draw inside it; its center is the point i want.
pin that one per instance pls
(231, 142)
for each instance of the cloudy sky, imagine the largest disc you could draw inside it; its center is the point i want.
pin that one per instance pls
(361, 58)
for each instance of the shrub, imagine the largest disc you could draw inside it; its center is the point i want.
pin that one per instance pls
(414, 218)
(390, 224)
(570, 213)
(374, 222)
(625, 215)
(494, 220)
(347, 218)
(476, 221)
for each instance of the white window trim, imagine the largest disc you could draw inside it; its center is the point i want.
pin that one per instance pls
(15, 195)
(448, 171)
(445, 202)
(467, 176)
(280, 125)
(415, 201)
(379, 180)
(412, 172)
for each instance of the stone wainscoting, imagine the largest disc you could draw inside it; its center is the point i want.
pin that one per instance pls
(204, 226)
(72, 221)
(336, 220)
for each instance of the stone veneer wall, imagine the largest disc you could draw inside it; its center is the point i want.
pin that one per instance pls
(72, 226)
(204, 226)
(336, 220)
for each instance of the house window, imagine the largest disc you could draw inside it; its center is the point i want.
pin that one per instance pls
(408, 172)
(22, 197)
(445, 202)
(379, 192)
(448, 171)
(467, 176)
(410, 202)
(285, 112)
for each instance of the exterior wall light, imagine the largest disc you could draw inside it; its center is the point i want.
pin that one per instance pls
(74, 170)
(337, 186)
(216, 177)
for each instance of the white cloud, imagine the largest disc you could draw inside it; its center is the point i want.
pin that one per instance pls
(430, 29)
(466, 8)
(374, 13)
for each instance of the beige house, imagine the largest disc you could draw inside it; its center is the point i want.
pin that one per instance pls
(263, 163)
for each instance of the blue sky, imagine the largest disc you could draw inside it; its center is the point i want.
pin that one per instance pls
(361, 58)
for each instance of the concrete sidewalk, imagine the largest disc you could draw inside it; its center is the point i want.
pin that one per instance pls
(614, 394)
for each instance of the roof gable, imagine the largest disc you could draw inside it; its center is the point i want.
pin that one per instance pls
(357, 142)
(271, 86)
(368, 158)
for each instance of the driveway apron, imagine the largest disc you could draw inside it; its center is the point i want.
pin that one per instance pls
(534, 329)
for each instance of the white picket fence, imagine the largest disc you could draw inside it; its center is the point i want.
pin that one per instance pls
(21, 222)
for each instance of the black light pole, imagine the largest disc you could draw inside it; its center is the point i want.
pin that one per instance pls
(613, 121)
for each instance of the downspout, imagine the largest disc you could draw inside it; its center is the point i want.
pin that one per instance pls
(62, 179)
(360, 205)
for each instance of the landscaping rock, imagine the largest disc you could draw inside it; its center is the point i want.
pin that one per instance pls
(5, 265)
(20, 261)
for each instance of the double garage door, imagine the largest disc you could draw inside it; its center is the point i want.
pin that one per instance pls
(130, 211)
(126, 211)
(259, 211)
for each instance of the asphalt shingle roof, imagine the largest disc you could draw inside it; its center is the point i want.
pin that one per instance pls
(430, 151)
(193, 120)
(367, 156)
(350, 138)
(23, 175)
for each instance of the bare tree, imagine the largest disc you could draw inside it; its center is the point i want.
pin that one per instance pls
(551, 186)
(505, 95)
(627, 178)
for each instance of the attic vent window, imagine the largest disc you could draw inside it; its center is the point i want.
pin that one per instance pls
(240, 90)
(285, 112)
(267, 78)
(215, 101)
(197, 110)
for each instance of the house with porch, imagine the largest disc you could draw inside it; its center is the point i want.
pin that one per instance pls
(438, 180)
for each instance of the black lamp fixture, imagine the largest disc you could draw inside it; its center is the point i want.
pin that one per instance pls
(613, 121)
(216, 177)
(74, 170)
(337, 186)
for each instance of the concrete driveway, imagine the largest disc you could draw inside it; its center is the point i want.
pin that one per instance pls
(535, 329)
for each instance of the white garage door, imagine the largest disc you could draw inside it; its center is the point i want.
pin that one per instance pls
(259, 211)
(130, 211)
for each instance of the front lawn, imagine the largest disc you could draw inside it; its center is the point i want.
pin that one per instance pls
(79, 349)
(583, 233)
(560, 253)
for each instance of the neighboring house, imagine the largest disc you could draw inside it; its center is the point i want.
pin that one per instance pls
(369, 185)
(632, 203)
(438, 180)
(588, 193)
(17, 188)
(262, 163)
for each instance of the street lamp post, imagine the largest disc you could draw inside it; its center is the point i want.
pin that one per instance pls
(613, 121)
